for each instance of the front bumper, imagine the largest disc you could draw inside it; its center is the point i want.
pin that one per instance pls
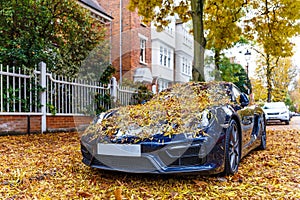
(174, 157)
(277, 117)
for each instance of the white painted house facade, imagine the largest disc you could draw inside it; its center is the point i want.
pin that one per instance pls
(172, 55)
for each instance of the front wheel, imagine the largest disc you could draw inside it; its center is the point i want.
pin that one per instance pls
(232, 149)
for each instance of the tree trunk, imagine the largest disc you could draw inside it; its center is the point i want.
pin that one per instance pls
(217, 64)
(199, 39)
(269, 82)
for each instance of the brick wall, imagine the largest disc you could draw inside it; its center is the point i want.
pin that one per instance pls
(132, 27)
(12, 124)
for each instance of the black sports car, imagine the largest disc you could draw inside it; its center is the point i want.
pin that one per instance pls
(192, 127)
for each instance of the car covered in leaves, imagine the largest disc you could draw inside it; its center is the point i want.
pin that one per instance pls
(194, 127)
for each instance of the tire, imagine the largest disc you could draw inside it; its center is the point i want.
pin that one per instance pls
(232, 149)
(263, 134)
(287, 122)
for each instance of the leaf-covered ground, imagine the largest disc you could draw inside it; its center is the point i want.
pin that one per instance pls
(48, 166)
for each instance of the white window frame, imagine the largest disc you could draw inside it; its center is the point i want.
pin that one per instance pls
(185, 66)
(165, 56)
(143, 42)
(162, 84)
(142, 50)
(169, 58)
(161, 55)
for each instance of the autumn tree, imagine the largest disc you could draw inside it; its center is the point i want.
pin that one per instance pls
(260, 92)
(295, 95)
(58, 32)
(281, 78)
(270, 25)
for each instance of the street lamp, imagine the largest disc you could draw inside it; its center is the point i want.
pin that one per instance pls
(247, 56)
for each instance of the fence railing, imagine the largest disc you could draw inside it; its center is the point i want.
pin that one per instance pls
(19, 90)
(39, 92)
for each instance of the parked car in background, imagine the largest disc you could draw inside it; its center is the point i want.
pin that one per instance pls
(277, 112)
(194, 127)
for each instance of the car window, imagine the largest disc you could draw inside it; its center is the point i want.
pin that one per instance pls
(235, 94)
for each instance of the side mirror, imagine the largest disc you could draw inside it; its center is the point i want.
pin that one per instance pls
(244, 101)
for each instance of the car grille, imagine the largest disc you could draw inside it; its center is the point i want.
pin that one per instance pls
(135, 164)
(188, 161)
(189, 158)
(273, 113)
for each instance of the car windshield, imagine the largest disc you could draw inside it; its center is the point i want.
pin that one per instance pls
(278, 105)
(205, 93)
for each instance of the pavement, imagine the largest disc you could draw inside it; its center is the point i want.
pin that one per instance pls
(294, 125)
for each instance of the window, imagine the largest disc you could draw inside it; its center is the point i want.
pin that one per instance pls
(162, 84)
(165, 56)
(235, 94)
(183, 65)
(169, 58)
(186, 66)
(143, 50)
(161, 55)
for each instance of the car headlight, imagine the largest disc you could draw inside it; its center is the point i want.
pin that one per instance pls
(203, 121)
(284, 112)
(205, 118)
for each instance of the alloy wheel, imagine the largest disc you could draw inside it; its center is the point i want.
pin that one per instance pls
(232, 144)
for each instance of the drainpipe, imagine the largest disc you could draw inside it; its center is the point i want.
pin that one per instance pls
(121, 27)
(110, 41)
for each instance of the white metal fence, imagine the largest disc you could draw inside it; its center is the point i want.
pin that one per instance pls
(38, 92)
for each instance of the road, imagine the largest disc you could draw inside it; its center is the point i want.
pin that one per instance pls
(294, 124)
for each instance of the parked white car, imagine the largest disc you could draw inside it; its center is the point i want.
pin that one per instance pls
(277, 111)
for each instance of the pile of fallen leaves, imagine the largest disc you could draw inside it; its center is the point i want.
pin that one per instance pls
(176, 110)
(48, 166)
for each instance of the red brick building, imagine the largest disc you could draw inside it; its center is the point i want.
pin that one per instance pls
(130, 42)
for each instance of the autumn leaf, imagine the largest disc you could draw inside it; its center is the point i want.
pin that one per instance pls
(201, 184)
(118, 193)
(84, 194)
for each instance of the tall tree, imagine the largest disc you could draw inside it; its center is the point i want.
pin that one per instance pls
(58, 32)
(271, 24)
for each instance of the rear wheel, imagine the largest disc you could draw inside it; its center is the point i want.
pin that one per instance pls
(232, 149)
(263, 134)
